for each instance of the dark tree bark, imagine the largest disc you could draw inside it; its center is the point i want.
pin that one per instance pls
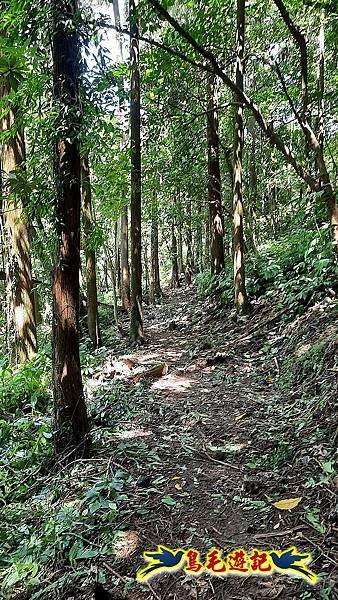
(241, 299)
(136, 311)
(90, 256)
(19, 283)
(71, 420)
(214, 181)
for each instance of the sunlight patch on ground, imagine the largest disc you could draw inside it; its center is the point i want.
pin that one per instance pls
(174, 354)
(126, 543)
(173, 383)
(129, 434)
(144, 359)
(228, 448)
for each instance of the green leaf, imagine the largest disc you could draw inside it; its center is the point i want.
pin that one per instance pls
(169, 501)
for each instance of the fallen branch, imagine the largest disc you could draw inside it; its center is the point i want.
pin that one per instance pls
(206, 456)
(262, 536)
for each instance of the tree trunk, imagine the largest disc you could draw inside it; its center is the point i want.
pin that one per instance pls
(253, 189)
(117, 18)
(198, 238)
(301, 42)
(117, 254)
(241, 299)
(207, 243)
(214, 181)
(112, 262)
(175, 281)
(180, 247)
(19, 271)
(124, 249)
(91, 284)
(146, 270)
(136, 312)
(124, 244)
(155, 288)
(72, 425)
(190, 259)
(321, 84)
(105, 282)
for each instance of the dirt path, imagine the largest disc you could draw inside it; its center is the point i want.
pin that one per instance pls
(203, 455)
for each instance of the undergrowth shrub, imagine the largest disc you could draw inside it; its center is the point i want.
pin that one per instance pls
(299, 265)
(24, 389)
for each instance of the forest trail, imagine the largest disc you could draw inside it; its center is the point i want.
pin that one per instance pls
(205, 449)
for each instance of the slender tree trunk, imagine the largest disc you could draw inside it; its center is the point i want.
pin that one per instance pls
(105, 282)
(146, 270)
(136, 312)
(207, 236)
(113, 277)
(253, 189)
(117, 18)
(180, 247)
(199, 238)
(301, 42)
(321, 84)
(190, 259)
(20, 292)
(124, 248)
(175, 281)
(112, 262)
(72, 425)
(324, 178)
(155, 288)
(117, 254)
(90, 256)
(241, 299)
(124, 244)
(214, 181)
